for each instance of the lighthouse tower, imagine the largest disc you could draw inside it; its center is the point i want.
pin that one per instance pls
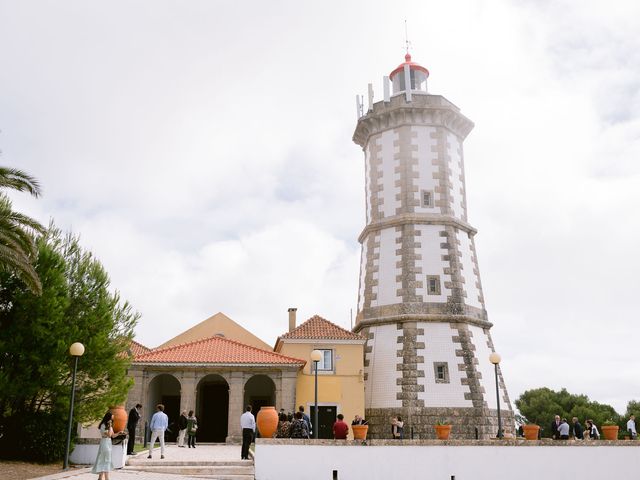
(420, 302)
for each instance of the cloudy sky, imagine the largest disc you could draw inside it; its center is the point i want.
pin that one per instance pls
(202, 150)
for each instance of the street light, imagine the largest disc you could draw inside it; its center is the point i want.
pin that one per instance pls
(495, 359)
(76, 350)
(316, 356)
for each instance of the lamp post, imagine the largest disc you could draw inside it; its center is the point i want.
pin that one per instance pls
(495, 359)
(316, 356)
(76, 350)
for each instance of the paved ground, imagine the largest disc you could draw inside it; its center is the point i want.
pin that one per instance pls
(201, 453)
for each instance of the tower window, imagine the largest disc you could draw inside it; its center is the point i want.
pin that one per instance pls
(433, 285)
(427, 198)
(441, 371)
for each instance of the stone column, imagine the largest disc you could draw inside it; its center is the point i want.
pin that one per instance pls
(287, 395)
(236, 407)
(188, 384)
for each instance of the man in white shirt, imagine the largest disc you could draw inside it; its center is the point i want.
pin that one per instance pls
(159, 423)
(631, 427)
(248, 425)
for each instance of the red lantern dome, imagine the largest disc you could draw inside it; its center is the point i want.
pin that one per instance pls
(417, 76)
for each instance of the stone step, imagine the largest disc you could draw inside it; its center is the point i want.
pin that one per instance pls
(156, 461)
(208, 470)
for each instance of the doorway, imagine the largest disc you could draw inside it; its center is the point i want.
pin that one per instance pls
(212, 409)
(326, 419)
(164, 389)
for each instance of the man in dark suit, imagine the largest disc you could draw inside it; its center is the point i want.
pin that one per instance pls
(132, 422)
(554, 428)
(578, 431)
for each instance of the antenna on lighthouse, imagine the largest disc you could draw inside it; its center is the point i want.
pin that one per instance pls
(406, 36)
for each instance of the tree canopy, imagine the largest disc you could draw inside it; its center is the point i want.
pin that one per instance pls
(76, 305)
(540, 405)
(17, 243)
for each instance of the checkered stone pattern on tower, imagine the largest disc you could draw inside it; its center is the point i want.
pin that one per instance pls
(420, 300)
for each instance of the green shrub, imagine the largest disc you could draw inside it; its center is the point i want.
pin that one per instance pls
(34, 437)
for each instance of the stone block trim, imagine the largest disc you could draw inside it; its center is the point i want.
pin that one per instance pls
(464, 183)
(501, 384)
(422, 420)
(371, 270)
(408, 264)
(409, 362)
(376, 197)
(476, 270)
(429, 110)
(468, 363)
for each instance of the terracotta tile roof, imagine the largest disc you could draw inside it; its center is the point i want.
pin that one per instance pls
(137, 348)
(216, 350)
(317, 328)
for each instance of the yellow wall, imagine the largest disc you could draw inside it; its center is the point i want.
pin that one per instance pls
(344, 387)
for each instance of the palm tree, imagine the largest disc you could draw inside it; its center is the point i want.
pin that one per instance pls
(17, 243)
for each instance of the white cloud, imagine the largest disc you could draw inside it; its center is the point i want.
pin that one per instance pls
(203, 152)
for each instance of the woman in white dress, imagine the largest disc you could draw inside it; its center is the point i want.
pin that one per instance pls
(103, 464)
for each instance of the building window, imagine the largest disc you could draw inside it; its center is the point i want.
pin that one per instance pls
(326, 363)
(441, 370)
(433, 285)
(427, 198)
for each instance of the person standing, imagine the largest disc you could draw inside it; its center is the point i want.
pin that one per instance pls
(631, 427)
(554, 427)
(192, 426)
(306, 419)
(248, 425)
(132, 423)
(594, 434)
(563, 430)
(578, 431)
(358, 420)
(340, 428)
(103, 465)
(182, 428)
(284, 425)
(299, 427)
(397, 428)
(159, 423)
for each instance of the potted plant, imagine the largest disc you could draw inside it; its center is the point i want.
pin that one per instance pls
(443, 429)
(360, 431)
(531, 431)
(610, 430)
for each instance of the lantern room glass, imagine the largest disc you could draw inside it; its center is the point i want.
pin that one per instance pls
(418, 81)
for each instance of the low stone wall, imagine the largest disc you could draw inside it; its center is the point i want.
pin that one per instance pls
(86, 450)
(445, 460)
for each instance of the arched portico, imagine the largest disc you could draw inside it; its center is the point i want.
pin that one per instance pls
(259, 391)
(212, 408)
(164, 389)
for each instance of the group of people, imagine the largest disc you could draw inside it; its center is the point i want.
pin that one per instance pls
(187, 427)
(560, 429)
(296, 425)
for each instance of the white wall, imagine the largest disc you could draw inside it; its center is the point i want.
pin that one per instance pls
(387, 271)
(85, 454)
(388, 141)
(380, 388)
(433, 462)
(439, 347)
(431, 262)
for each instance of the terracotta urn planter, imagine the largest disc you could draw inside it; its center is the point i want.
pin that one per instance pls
(610, 432)
(360, 431)
(531, 431)
(443, 432)
(267, 421)
(119, 417)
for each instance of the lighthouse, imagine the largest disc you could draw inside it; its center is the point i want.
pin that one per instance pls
(420, 300)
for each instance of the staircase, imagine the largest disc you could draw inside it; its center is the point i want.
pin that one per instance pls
(215, 470)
